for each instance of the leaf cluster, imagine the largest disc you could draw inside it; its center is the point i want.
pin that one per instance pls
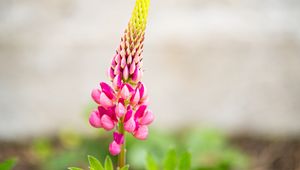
(8, 164)
(95, 164)
(172, 161)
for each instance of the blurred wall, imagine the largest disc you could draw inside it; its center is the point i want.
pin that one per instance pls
(232, 64)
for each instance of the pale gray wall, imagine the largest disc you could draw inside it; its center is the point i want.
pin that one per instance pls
(233, 64)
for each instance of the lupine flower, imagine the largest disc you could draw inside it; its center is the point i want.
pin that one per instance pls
(124, 105)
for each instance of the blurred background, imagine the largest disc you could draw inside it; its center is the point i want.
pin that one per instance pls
(226, 72)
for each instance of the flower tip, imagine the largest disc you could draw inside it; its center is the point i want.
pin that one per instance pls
(107, 123)
(125, 92)
(118, 138)
(114, 148)
(95, 119)
(96, 95)
(125, 73)
(130, 125)
(107, 90)
(120, 110)
(135, 98)
(105, 101)
(110, 73)
(148, 118)
(141, 133)
(117, 82)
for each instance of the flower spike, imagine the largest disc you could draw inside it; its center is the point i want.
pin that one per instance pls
(123, 106)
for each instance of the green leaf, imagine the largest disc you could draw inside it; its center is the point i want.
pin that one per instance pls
(185, 161)
(151, 164)
(8, 164)
(126, 167)
(170, 160)
(108, 164)
(74, 168)
(94, 163)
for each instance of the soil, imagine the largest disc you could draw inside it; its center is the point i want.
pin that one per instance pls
(270, 154)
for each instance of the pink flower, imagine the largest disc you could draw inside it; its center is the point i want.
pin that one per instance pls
(119, 138)
(125, 92)
(117, 82)
(120, 110)
(96, 95)
(143, 91)
(141, 133)
(114, 148)
(107, 90)
(125, 103)
(104, 96)
(107, 123)
(129, 126)
(135, 98)
(95, 119)
(140, 111)
(147, 118)
(105, 101)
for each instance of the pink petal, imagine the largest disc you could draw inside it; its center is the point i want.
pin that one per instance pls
(110, 73)
(113, 62)
(145, 101)
(101, 111)
(120, 110)
(125, 73)
(128, 115)
(129, 126)
(135, 74)
(96, 95)
(129, 59)
(107, 90)
(143, 91)
(118, 58)
(114, 148)
(147, 118)
(109, 112)
(117, 69)
(105, 101)
(140, 111)
(141, 133)
(95, 119)
(132, 68)
(119, 138)
(123, 52)
(137, 57)
(123, 62)
(125, 92)
(131, 90)
(117, 82)
(135, 98)
(140, 75)
(107, 123)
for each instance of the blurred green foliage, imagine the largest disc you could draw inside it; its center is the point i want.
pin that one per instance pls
(171, 161)
(208, 149)
(8, 164)
(95, 164)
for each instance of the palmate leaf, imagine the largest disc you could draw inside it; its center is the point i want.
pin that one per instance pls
(95, 164)
(170, 162)
(108, 164)
(185, 161)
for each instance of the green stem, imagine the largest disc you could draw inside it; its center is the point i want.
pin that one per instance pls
(122, 155)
